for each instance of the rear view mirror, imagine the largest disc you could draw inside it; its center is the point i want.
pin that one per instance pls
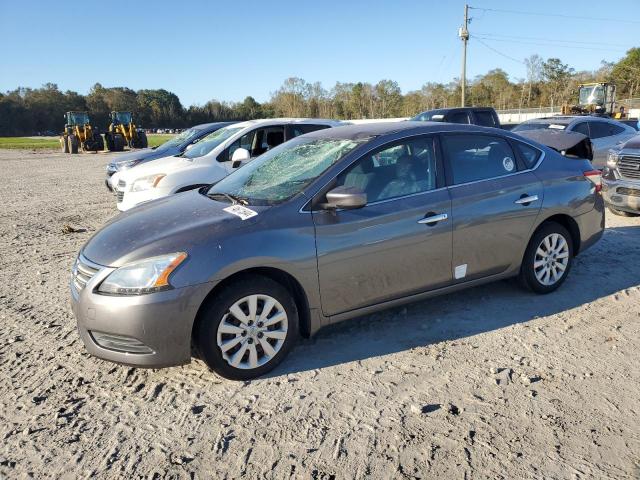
(346, 198)
(239, 156)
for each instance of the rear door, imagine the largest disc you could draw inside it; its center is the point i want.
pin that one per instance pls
(389, 248)
(495, 200)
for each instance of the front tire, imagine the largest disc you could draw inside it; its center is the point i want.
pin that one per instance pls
(247, 328)
(548, 259)
(73, 143)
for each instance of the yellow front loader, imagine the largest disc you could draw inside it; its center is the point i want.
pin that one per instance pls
(123, 132)
(79, 134)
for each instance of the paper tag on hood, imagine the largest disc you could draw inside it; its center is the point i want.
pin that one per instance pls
(240, 211)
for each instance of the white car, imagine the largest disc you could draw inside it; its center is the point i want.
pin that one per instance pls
(211, 159)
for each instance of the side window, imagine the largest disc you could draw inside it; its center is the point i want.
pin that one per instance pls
(582, 128)
(402, 169)
(600, 129)
(246, 141)
(530, 154)
(458, 117)
(478, 157)
(297, 130)
(484, 118)
(266, 139)
(616, 129)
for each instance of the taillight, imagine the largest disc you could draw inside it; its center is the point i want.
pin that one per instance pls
(595, 176)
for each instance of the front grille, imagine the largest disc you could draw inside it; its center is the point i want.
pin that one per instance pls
(629, 166)
(119, 343)
(82, 272)
(120, 195)
(120, 190)
(633, 192)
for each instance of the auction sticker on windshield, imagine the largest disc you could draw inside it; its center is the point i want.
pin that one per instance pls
(240, 211)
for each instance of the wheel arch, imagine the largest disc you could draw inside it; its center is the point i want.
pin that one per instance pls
(567, 222)
(285, 279)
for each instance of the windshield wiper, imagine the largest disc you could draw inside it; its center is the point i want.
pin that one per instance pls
(232, 198)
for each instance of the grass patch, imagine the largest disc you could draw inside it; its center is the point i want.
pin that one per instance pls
(48, 143)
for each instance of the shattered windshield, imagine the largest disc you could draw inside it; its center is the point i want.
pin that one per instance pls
(285, 171)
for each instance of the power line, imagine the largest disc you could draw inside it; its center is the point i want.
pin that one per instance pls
(497, 51)
(551, 44)
(499, 35)
(558, 15)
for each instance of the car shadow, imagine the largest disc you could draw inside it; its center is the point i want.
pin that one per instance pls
(596, 273)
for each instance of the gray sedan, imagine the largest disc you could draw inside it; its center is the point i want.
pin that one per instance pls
(604, 133)
(328, 226)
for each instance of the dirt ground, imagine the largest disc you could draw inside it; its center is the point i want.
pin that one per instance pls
(492, 382)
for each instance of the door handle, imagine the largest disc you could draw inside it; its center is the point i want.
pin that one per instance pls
(433, 219)
(526, 199)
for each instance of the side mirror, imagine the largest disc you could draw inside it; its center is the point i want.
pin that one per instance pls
(189, 147)
(346, 198)
(239, 156)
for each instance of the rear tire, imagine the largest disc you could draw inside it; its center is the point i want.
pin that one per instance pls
(548, 259)
(73, 143)
(622, 213)
(255, 338)
(98, 142)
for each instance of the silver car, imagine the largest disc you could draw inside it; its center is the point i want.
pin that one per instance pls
(328, 226)
(621, 179)
(604, 133)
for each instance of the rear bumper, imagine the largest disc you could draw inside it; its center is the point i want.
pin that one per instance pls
(144, 331)
(591, 225)
(621, 194)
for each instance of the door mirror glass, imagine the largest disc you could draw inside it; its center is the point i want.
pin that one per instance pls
(240, 155)
(346, 198)
(188, 147)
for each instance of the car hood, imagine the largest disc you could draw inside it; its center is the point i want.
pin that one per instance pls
(633, 144)
(180, 223)
(164, 165)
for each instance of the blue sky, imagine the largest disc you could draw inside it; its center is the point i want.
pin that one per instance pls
(227, 50)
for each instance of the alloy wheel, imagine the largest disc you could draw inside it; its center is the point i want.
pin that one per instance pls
(551, 259)
(252, 331)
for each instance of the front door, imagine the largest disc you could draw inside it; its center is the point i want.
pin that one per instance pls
(495, 200)
(389, 248)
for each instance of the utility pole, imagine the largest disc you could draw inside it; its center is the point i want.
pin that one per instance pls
(463, 33)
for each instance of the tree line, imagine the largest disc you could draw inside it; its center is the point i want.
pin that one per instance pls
(550, 82)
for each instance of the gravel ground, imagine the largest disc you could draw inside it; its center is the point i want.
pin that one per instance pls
(492, 382)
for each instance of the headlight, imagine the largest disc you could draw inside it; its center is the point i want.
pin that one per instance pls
(145, 276)
(612, 159)
(145, 183)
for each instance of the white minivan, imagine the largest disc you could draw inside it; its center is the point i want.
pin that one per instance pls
(211, 159)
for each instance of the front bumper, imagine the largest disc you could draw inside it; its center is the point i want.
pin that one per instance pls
(621, 194)
(151, 330)
(129, 199)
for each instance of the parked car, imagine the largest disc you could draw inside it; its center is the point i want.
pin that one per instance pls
(604, 133)
(621, 179)
(213, 158)
(484, 116)
(328, 226)
(175, 146)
